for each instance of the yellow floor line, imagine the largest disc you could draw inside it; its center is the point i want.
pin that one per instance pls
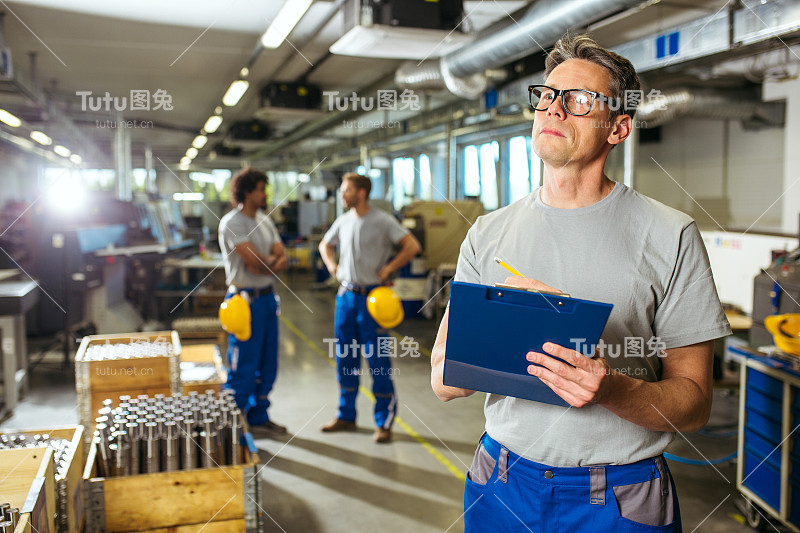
(453, 469)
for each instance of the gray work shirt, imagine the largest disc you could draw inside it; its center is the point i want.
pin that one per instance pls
(646, 259)
(236, 228)
(365, 244)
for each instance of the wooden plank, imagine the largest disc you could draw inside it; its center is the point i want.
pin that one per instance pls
(24, 524)
(129, 374)
(227, 526)
(18, 469)
(74, 474)
(181, 501)
(171, 499)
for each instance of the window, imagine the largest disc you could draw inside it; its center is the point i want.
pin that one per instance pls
(425, 183)
(402, 181)
(489, 154)
(472, 174)
(519, 168)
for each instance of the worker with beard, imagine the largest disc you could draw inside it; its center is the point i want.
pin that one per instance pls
(366, 238)
(253, 255)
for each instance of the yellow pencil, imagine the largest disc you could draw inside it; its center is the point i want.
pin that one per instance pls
(508, 267)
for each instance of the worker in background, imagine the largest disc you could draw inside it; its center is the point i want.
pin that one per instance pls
(365, 238)
(597, 465)
(253, 254)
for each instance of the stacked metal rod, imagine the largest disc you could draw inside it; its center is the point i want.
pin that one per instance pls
(145, 435)
(9, 518)
(132, 350)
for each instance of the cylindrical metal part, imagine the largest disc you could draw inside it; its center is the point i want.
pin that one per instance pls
(102, 448)
(122, 461)
(13, 515)
(208, 443)
(170, 437)
(189, 459)
(150, 442)
(135, 439)
(236, 435)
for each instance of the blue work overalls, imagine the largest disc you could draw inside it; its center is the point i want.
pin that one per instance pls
(253, 364)
(353, 322)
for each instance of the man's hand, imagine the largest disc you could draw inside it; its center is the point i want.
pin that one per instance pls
(586, 382)
(385, 272)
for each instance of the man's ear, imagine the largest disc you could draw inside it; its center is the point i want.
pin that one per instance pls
(623, 125)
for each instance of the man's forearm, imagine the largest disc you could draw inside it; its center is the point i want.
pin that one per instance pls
(326, 254)
(673, 404)
(406, 254)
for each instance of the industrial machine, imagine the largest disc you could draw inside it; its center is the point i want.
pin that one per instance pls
(776, 290)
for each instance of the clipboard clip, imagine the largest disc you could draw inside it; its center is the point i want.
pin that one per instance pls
(547, 293)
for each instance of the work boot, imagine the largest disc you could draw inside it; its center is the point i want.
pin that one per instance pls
(382, 435)
(271, 426)
(337, 424)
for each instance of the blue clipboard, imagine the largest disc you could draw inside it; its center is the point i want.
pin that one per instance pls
(490, 329)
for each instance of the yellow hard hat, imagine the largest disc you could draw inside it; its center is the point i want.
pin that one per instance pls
(785, 331)
(234, 315)
(385, 307)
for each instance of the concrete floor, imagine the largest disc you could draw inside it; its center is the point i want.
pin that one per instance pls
(343, 482)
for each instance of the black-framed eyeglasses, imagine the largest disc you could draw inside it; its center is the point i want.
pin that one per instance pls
(577, 102)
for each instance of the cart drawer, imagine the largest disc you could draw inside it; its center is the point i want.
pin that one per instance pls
(762, 477)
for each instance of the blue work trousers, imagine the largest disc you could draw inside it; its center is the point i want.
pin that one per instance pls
(505, 492)
(354, 323)
(253, 364)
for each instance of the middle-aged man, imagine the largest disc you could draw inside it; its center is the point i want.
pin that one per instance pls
(597, 465)
(365, 238)
(253, 254)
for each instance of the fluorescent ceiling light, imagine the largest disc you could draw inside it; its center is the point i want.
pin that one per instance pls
(63, 151)
(41, 138)
(395, 42)
(244, 72)
(75, 158)
(9, 119)
(235, 92)
(212, 124)
(191, 153)
(199, 141)
(188, 196)
(185, 162)
(284, 22)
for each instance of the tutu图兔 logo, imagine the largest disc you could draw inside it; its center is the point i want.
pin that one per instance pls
(139, 99)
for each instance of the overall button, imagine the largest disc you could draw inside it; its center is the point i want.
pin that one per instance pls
(548, 474)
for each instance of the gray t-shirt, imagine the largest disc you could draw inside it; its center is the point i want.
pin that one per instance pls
(646, 259)
(236, 228)
(365, 244)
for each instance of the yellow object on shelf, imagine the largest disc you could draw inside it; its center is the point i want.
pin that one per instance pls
(785, 331)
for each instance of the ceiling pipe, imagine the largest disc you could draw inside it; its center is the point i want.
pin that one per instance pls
(741, 104)
(462, 72)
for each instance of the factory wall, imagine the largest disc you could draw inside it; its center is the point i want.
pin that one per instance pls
(736, 175)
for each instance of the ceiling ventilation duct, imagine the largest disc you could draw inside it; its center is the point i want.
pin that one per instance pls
(538, 26)
(741, 104)
(401, 29)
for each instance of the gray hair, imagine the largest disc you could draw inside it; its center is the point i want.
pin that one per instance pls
(623, 75)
